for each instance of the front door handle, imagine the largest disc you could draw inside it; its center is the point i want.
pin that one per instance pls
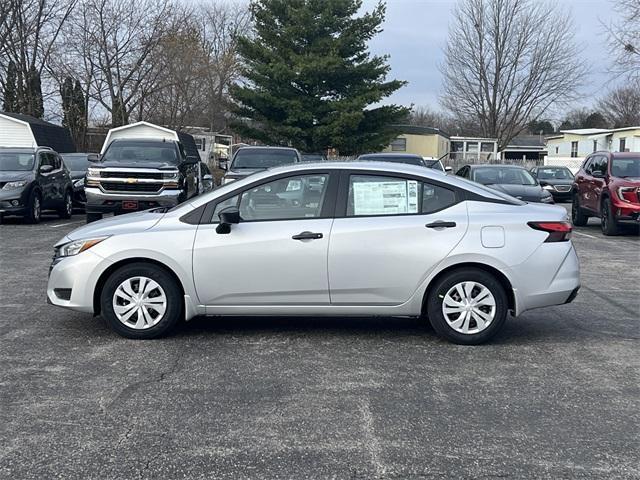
(307, 236)
(440, 224)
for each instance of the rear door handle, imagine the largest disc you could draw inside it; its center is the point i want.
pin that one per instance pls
(440, 224)
(307, 236)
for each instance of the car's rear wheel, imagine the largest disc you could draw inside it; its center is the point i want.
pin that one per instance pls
(467, 306)
(578, 216)
(141, 301)
(608, 219)
(67, 208)
(34, 208)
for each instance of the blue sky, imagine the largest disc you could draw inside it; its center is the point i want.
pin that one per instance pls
(415, 32)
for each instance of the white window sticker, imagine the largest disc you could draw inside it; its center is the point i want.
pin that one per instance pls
(385, 197)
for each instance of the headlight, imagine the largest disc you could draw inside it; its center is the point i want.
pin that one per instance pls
(13, 185)
(79, 182)
(170, 176)
(629, 194)
(548, 187)
(77, 246)
(93, 172)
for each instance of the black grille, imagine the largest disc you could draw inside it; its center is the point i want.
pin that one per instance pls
(145, 175)
(131, 187)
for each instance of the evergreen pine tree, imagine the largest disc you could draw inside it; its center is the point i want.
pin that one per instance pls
(34, 103)
(10, 103)
(311, 82)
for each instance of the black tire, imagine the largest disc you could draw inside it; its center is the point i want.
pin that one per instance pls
(437, 295)
(67, 208)
(578, 216)
(172, 292)
(34, 208)
(93, 217)
(608, 220)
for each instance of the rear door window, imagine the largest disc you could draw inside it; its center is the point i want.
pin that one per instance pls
(380, 195)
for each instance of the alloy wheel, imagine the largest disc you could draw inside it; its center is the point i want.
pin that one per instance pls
(469, 307)
(37, 208)
(139, 303)
(68, 205)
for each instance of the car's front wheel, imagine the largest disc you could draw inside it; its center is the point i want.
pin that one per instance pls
(467, 306)
(34, 208)
(141, 301)
(608, 220)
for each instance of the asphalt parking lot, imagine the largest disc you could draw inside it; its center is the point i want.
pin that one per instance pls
(556, 395)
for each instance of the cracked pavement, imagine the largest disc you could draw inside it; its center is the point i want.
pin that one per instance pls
(556, 395)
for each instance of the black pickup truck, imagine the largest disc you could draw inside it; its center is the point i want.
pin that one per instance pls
(138, 174)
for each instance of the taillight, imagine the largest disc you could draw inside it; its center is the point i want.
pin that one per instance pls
(558, 231)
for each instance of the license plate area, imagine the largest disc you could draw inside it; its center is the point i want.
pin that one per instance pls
(130, 205)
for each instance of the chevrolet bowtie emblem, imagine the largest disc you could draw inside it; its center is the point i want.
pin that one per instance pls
(132, 180)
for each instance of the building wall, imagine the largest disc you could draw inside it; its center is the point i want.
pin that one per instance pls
(424, 145)
(15, 134)
(632, 138)
(561, 147)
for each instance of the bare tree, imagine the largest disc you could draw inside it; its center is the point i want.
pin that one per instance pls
(222, 24)
(621, 107)
(624, 39)
(119, 38)
(507, 64)
(29, 31)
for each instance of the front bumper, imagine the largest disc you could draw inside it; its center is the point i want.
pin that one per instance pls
(625, 212)
(14, 202)
(72, 280)
(99, 201)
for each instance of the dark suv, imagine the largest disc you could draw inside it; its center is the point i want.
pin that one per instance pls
(608, 186)
(33, 180)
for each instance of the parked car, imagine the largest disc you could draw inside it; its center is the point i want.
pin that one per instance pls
(77, 165)
(510, 179)
(249, 160)
(408, 158)
(313, 157)
(33, 180)
(436, 164)
(339, 238)
(607, 186)
(138, 174)
(206, 179)
(557, 180)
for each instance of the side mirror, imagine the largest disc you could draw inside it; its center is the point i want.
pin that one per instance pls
(448, 169)
(543, 183)
(597, 174)
(228, 216)
(46, 168)
(93, 157)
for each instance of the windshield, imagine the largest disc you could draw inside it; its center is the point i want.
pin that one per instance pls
(16, 162)
(411, 160)
(502, 176)
(625, 167)
(76, 163)
(312, 157)
(554, 174)
(141, 151)
(263, 158)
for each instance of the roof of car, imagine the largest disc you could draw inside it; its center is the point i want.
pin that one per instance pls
(390, 154)
(496, 165)
(265, 147)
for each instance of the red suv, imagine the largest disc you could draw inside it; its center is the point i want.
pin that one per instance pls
(608, 186)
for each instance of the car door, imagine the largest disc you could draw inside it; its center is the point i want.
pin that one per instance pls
(277, 254)
(590, 196)
(45, 179)
(58, 179)
(393, 232)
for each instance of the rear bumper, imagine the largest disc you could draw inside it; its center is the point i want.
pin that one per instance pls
(99, 201)
(551, 276)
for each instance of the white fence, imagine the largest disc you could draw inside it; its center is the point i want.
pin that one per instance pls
(572, 163)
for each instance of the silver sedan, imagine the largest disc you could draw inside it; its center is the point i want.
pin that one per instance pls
(324, 239)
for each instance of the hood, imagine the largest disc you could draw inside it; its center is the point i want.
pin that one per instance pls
(129, 223)
(526, 193)
(76, 174)
(557, 181)
(244, 172)
(134, 164)
(15, 176)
